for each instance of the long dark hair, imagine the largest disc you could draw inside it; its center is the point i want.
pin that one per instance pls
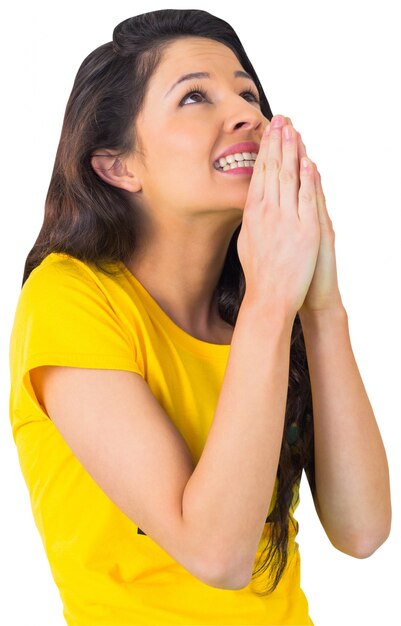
(95, 222)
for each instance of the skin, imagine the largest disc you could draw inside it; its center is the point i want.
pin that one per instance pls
(187, 210)
(187, 214)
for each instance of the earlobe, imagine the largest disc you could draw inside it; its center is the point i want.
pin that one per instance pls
(113, 170)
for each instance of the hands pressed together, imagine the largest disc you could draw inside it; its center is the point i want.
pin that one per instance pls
(286, 243)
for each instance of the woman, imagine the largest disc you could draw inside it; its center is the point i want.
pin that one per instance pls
(161, 402)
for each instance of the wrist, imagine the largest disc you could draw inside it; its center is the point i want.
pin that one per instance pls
(320, 317)
(269, 310)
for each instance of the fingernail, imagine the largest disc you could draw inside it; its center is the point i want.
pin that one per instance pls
(278, 121)
(305, 163)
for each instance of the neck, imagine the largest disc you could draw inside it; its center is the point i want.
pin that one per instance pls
(180, 268)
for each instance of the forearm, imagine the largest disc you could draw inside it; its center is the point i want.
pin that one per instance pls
(228, 495)
(351, 470)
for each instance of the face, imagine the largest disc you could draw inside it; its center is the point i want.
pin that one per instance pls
(182, 133)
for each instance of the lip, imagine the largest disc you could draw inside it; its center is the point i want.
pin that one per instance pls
(237, 171)
(244, 146)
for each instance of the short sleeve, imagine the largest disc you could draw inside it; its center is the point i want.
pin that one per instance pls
(63, 317)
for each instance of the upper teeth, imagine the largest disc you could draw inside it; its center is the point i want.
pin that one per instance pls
(237, 156)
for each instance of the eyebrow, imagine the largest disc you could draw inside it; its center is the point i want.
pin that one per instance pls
(191, 75)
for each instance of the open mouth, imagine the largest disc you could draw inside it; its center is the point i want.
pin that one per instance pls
(236, 161)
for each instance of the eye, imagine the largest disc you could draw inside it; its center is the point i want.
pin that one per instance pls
(196, 89)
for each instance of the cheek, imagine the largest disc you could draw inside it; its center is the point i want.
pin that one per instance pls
(181, 154)
(187, 143)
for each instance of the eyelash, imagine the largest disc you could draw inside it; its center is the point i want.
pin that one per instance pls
(204, 94)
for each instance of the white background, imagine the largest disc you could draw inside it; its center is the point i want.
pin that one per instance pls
(334, 68)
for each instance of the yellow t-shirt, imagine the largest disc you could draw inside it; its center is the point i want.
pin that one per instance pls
(108, 571)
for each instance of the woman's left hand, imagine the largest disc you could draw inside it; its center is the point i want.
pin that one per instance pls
(323, 292)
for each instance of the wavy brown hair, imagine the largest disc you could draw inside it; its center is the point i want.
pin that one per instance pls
(95, 222)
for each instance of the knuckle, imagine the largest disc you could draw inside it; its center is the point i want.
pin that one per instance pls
(306, 196)
(287, 176)
(272, 164)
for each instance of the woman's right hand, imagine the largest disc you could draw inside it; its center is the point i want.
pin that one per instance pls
(279, 239)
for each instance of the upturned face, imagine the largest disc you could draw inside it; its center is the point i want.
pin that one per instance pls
(185, 125)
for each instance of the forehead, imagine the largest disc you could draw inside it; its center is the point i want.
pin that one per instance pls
(197, 46)
(191, 54)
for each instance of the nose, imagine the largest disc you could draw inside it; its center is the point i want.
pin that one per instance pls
(250, 126)
(246, 118)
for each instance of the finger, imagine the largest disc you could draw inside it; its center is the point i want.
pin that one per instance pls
(257, 183)
(307, 201)
(301, 148)
(289, 173)
(324, 217)
(272, 158)
(319, 188)
(301, 145)
(256, 187)
(287, 121)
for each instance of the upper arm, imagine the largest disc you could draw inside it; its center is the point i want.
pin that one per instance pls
(124, 439)
(312, 485)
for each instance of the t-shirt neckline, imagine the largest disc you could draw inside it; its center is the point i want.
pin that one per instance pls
(184, 338)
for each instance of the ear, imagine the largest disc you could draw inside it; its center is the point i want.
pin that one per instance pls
(115, 170)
